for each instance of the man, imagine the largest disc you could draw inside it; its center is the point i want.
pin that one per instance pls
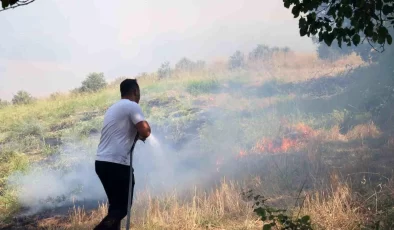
(122, 122)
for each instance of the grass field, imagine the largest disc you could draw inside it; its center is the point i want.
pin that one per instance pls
(311, 136)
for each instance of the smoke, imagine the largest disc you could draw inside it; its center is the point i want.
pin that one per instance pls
(68, 177)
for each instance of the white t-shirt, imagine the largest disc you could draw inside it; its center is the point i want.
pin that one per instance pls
(118, 132)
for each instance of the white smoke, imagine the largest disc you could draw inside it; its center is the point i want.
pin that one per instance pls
(68, 177)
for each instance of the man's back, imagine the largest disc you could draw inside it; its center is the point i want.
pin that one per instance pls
(118, 132)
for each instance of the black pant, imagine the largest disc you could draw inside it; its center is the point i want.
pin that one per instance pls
(115, 179)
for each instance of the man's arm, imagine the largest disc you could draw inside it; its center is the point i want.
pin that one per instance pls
(143, 129)
(140, 123)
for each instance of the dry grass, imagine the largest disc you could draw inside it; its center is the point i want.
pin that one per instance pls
(333, 209)
(220, 208)
(363, 131)
(292, 67)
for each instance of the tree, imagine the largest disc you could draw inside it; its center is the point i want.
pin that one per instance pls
(334, 52)
(164, 70)
(236, 60)
(11, 4)
(22, 98)
(93, 82)
(260, 52)
(347, 21)
(187, 65)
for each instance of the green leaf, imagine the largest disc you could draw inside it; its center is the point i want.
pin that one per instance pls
(382, 31)
(267, 227)
(389, 39)
(303, 31)
(329, 38)
(287, 3)
(296, 11)
(387, 10)
(331, 11)
(305, 219)
(321, 37)
(368, 31)
(379, 4)
(381, 40)
(260, 212)
(375, 37)
(347, 11)
(5, 3)
(356, 39)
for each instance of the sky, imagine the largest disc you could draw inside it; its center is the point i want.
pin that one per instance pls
(52, 45)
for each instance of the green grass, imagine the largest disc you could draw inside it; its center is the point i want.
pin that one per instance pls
(196, 87)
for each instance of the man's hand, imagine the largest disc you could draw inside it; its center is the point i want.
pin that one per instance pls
(143, 130)
(141, 138)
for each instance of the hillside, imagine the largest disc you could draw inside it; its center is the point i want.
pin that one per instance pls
(311, 136)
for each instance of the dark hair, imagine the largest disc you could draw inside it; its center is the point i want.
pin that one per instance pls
(128, 86)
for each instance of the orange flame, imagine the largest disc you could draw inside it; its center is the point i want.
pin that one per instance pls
(242, 153)
(294, 138)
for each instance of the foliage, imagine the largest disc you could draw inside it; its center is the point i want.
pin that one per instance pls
(10, 4)
(164, 71)
(236, 60)
(273, 217)
(260, 52)
(93, 83)
(187, 65)
(22, 97)
(346, 21)
(202, 86)
(334, 52)
(263, 52)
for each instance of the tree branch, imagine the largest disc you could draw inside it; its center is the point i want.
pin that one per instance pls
(18, 4)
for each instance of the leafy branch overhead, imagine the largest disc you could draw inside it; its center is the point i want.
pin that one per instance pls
(10, 4)
(347, 21)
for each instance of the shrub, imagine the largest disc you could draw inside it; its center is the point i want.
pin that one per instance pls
(236, 60)
(31, 128)
(164, 71)
(22, 97)
(188, 66)
(202, 86)
(276, 218)
(93, 82)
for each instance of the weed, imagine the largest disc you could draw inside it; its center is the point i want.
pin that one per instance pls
(196, 87)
